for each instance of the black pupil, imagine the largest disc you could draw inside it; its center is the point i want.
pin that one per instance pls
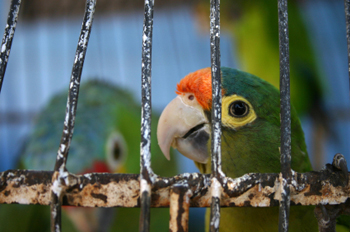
(238, 108)
(116, 151)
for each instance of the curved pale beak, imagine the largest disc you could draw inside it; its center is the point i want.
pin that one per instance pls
(184, 126)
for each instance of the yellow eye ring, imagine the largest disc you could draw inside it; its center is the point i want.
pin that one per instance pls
(236, 111)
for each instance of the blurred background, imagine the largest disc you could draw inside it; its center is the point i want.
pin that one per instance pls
(47, 33)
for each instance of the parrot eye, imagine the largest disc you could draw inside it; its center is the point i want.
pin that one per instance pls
(238, 109)
(116, 151)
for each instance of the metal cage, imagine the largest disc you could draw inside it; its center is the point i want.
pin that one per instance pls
(48, 187)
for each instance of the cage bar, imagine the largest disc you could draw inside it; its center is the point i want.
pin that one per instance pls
(347, 20)
(8, 37)
(285, 179)
(217, 175)
(146, 173)
(179, 207)
(328, 187)
(60, 172)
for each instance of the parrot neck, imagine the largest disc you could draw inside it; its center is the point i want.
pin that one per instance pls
(256, 148)
(245, 151)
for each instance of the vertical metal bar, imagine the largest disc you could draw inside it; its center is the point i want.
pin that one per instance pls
(216, 114)
(8, 36)
(179, 208)
(347, 20)
(58, 179)
(285, 115)
(146, 172)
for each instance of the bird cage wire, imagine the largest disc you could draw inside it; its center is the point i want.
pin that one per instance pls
(328, 189)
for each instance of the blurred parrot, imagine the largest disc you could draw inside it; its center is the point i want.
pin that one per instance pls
(250, 140)
(253, 26)
(106, 139)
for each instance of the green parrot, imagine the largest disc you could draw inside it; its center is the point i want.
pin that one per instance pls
(106, 139)
(250, 140)
(253, 26)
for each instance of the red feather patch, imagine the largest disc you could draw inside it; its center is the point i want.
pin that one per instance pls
(97, 166)
(198, 83)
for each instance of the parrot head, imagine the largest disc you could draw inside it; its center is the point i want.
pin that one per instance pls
(106, 134)
(99, 142)
(250, 123)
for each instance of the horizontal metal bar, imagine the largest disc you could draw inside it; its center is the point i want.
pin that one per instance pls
(328, 186)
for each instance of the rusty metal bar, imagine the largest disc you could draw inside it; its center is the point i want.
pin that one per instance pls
(328, 187)
(8, 37)
(60, 176)
(347, 20)
(217, 174)
(146, 172)
(285, 178)
(179, 208)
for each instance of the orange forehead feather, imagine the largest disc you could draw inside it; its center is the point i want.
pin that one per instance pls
(198, 83)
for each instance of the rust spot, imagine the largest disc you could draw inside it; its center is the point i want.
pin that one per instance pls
(155, 197)
(326, 191)
(181, 211)
(246, 203)
(251, 196)
(100, 196)
(137, 193)
(232, 204)
(3, 184)
(313, 191)
(16, 185)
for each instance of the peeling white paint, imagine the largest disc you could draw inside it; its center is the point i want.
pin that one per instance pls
(62, 147)
(217, 221)
(186, 175)
(88, 176)
(56, 188)
(215, 188)
(144, 186)
(3, 48)
(10, 174)
(144, 38)
(233, 184)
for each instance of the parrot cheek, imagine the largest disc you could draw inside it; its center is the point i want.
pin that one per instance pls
(194, 145)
